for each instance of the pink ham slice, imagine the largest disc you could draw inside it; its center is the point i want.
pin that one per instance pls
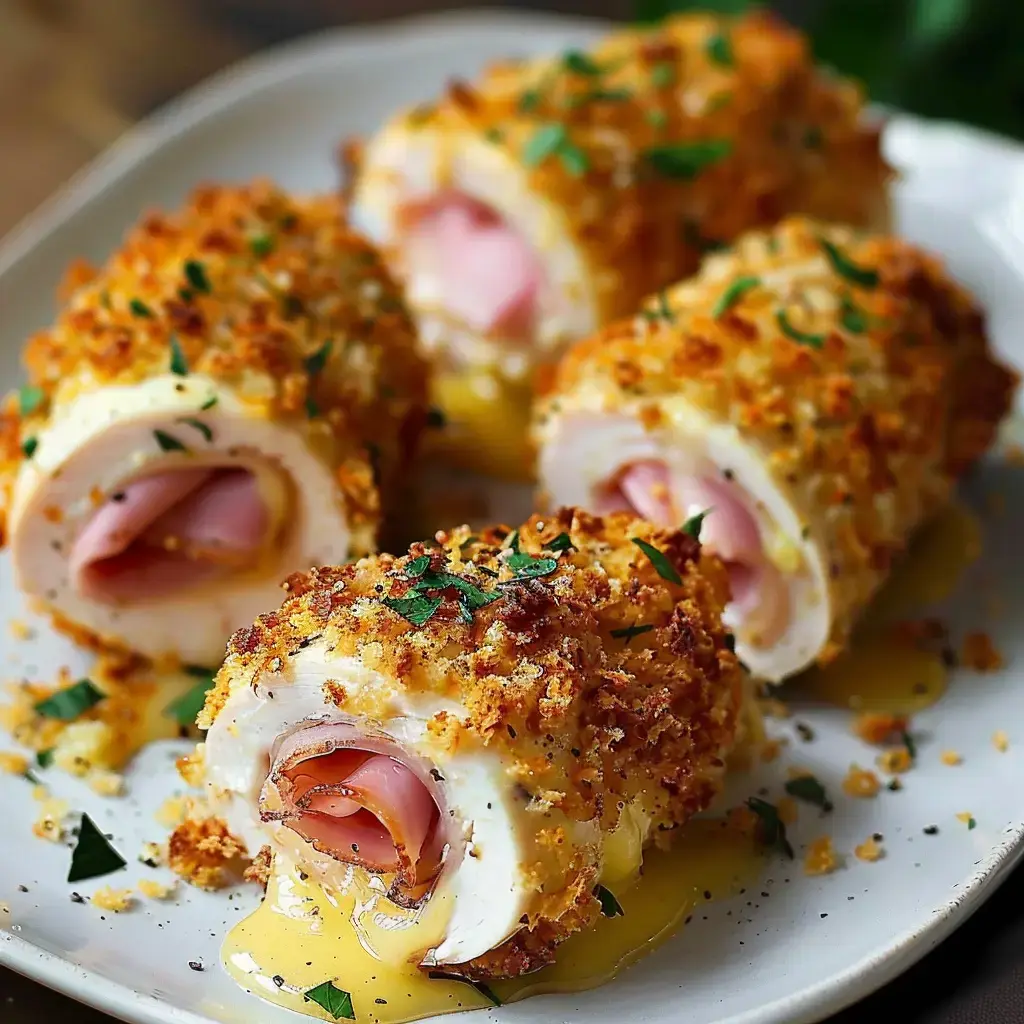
(168, 531)
(758, 591)
(489, 276)
(356, 804)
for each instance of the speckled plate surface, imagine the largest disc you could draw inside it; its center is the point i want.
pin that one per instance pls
(802, 947)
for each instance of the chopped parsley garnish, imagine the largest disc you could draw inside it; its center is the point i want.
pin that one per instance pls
(436, 418)
(971, 823)
(657, 118)
(628, 632)
(663, 75)
(693, 525)
(729, 642)
(512, 541)
(93, 856)
(168, 443)
(526, 565)
(810, 790)
(179, 364)
(469, 592)
(139, 308)
(719, 50)
(417, 609)
(771, 827)
(195, 272)
(67, 704)
(29, 446)
(908, 742)
(484, 990)
(318, 360)
(44, 758)
(580, 64)
(29, 399)
(852, 317)
(553, 139)
(312, 409)
(562, 543)
(529, 101)
(198, 425)
(685, 160)
(261, 245)
(800, 337)
(610, 906)
(665, 569)
(208, 404)
(417, 567)
(733, 294)
(185, 709)
(332, 999)
(845, 267)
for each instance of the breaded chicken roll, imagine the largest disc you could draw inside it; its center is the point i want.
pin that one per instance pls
(474, 723)
(815, 393)
(208, 413)
(526, 209)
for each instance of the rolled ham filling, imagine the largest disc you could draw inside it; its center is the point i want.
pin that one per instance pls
(169, 531)
(462, 256)
(359, 800)
(760, 599)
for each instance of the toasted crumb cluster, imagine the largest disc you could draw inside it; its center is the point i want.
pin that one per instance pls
(270, 295)
(115, 900)
(980, 654)
(870, 850)
(859, 782)
(203, 852)
(821, 857)
(856, 364)
(598, 678)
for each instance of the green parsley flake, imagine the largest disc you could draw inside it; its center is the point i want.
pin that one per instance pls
(665, 569)
(29, 399)
(733, 294)
(198, 425)
(810, 790)
(864, 277)
(971, 824)
(580, 64)
(800, 337)
(179, 364)
(139, 308)
(657, 118)
(610, 906)
(332, 999)
(168, 443)
(628, 632)
(195, 272)
(261, 245)
(436, 418)
(186, 708)
(44, 758)
(512, 541)
(208, 404)
(562, 543)
(719, 50)
(911, 746)
(312, 409)
(547, 140)
(66, 705)
(771, 827)
(693, 525)
(852, 317)
(29, 446)
(417, 567)
(417, 609)
(685, 160)
(318, 360)
(527, 566)
(93, 856)
(494, 135)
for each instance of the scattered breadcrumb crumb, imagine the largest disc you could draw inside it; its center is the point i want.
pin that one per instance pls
(1001, 741)
(116, 900)
(860, 782)
(105, 782)
(259, 870)
(951, 757)
(173, 811)
(895, 761)
(967, 818)
(156, 890)
(205, 853)
(192, 766)
(20, 630)
(980, 654)
(152, 855)
(50, 823)
(796, 771)
(870, 850)
(771, 749)
(13, 764)
(877, 727)
(787, 809)
(742, 820)
(821, 857)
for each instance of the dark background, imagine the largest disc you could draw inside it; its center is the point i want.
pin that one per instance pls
(74, 74)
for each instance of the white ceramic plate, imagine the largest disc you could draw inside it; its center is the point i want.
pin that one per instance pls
(803, 947)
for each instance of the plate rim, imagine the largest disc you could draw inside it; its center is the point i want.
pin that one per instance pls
(218, 93)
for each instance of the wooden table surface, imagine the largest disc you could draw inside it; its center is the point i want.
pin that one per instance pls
(74, 74)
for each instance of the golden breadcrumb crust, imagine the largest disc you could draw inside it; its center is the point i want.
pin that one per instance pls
(600, 681)
(665, 142)
(204, 853)
(864, 377)
(269, 294)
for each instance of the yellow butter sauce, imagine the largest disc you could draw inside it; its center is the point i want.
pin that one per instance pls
(299, 937)
(884, 671)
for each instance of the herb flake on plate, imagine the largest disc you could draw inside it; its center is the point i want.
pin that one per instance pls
(334, 1000)
(198, 425)
(561, 544)
(93, 855)
(665, 569)
(719, 50)
(318, 360)
(528, 566)
(139, 308)
(186, 708)
(195, 273)
(610, 906)
(29, 446)
(66, 705)
(772, 829)
(864, 277)
(810, 790)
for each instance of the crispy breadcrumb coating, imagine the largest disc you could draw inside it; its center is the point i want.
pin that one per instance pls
(600, 681)
(268, 294)
(856, 364)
